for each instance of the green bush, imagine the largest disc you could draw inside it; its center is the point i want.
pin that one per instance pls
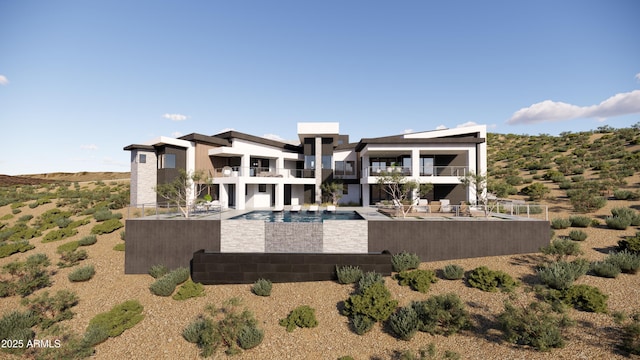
(489, 280)
(16, 211)
(84, 273)
(627, 213)
(627, 261)
(17, 326)
(622, 194)
(630, 338)
(52, 309)
(63, 222)
(375, 302)
(107, 227)
(630, 243)
(369, 278)
(586, 298)
(584, 200)
(560, 223)
(404, 261)
(114, 322)
(348, 274)
(68, 247)
(180, 275)
(158, 271)
(262, 287)
(580, 221)
(562, 248)
(453, 272)
(533, 325)
(29, 276)
(72, 258)
(577, 235)
(119, 247)
(560, 275)
(250, 337)
(404, 323)
(55, 235)
(88, 240)
(441, 314)
(418, 280)
(617, 223)
(189, 290)
(25, 218)
(302, 316)
(104, 214)
(605, 269)
(7, 249)
(163, 286)
(361, 324)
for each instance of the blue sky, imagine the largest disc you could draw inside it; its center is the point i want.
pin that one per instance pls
(79, 80)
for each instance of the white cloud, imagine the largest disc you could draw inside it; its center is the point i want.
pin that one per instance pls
(175, 117)
(4, 80)
(273, 137)
(176, 134)
(637, 76)
(441, 127)
(617, 105)
(407, 131)
(89, 147)
(468, 123)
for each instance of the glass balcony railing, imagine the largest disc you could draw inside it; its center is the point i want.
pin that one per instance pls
(236, 171)
(456, 171)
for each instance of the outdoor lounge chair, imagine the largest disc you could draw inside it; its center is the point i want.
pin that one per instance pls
(445, 205)
(423, 206)
(313, 208)
(278, 209)
(295, 206)
(331, 208)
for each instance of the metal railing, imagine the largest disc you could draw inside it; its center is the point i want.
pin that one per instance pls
(531, 211)
(171, 210)
(457, 171)
(236, 171)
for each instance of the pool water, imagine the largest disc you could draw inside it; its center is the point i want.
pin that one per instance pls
(302, 216)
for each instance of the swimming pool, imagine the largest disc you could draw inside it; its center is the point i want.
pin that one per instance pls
(302, 216)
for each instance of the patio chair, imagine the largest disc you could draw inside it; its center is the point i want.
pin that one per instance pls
(445, 205)
(423, 206)
(295, 206)
(313, 208)
(331, 208)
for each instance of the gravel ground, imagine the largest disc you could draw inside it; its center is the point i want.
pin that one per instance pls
(158, 336)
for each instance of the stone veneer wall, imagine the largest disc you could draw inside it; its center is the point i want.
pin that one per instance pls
(293, 237)
(242, 236)
(345, 236)
(143, 178)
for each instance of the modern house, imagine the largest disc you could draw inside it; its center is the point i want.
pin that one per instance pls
(248, 171)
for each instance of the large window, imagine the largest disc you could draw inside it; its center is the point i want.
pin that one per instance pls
(345, 168)
(142, 158)
(167, 161)
(326, 162)
(309, 162)
(426, 166)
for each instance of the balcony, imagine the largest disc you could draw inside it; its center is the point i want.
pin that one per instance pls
(236, 171)
(457, 171)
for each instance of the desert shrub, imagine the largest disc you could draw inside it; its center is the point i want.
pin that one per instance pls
(72, 258)
(189, 290)
(119, 247)
(584, 200)
(221, 328)
(158, 271)
(302, 316)
(122, 235)
(577, 235)
(180, 274)
(418, 280)
(29, 276)
(55, 235)
(163, 286)
(16, 211)
(361, 324)
(68, 247)
(630, 337)
(104, 214)
(580, 221)
(535, 191)
(114, 322)
(250, 337)
(78, 223)
(348, 274)
(605, 269)
(88, 240)
(453, 272)
(560, 275)
(404, 261)
(262, 287)
(560, 223)
(622, 194)
(442, 314)
(628, 213)
(63, 222)
(586, 298)
(490, 280)
(627, 261)
(17, 326)
(404, 323)
(369, 278)
(617, 222)
(562, 248)
(533, 325)
(375, 302)
(84, 273)
(7, 217)
(7, 249)
(25, 218)
(52, 309)
(107, 227)
(630, 243)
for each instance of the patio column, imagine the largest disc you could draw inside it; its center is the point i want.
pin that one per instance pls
(224, 195)
(415, 163)
(279, 195)
(240, 195)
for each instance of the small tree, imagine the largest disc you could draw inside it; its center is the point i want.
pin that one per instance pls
(333, 190)
(183, 190)
(478, 184)
(402, 189)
